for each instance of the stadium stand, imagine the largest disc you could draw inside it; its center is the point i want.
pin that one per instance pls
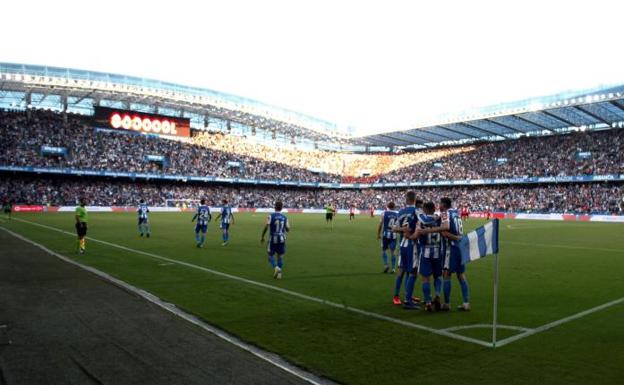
(589, 198)
(217, 154)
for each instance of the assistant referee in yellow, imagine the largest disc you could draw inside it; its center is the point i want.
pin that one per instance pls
(82, 218)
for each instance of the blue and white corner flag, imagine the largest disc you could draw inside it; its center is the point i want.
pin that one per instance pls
(480, 242)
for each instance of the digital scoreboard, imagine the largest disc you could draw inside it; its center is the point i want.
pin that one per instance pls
(119, 119)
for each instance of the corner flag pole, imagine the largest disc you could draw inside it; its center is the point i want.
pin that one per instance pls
(495, 311)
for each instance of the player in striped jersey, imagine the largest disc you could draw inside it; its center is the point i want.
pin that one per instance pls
(385, 233)
(227, 218)
(430, 258)
(407, 265)
(451, 229)
(278, 225)
(143, 214)
(203, 216)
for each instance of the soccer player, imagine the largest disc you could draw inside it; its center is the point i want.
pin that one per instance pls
(351, 213)
(144, 226)
(465, 213)
(372, 211)
(429, 261)
(82, 217)
(278, 225)
(227, 218)
(406, 219)
(451, 229)
(389, 220)
(7, 207)
(203, 216)
(329, 214)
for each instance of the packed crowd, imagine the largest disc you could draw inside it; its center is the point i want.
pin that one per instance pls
(219, 155)
(88, 148)
(345, 164)
(544, 156)
(578, 198)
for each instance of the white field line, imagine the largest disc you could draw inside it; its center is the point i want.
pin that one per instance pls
(555, 246)
(271, 358)
(558, 322)
(487, 326)
(279, 289)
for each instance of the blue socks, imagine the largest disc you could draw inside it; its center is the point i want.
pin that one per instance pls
(464, 289)
(280, 262)
(397, 284)
(393, 261)
(197, 237)
(409, 288)
(272, 261)
(384, 256)
(226, 236)
(437, 285)
(426, 288)
(447, 291)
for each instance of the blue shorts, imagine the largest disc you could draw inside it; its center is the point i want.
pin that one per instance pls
(407, 260)
(453, 261)
(276, 248)
(430, 266)
(225, 226)
(388, 243)
(202, 228)
(142, 221)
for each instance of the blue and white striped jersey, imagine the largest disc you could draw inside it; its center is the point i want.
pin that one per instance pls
(203, 215)
(430, 244)
(278, 226)
(389, 219)
(142, 211)
(226, 215)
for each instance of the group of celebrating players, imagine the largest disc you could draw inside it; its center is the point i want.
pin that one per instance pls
(427, 244)
(426, 237)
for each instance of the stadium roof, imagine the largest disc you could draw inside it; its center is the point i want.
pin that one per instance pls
(79, 90)
(81, 85)
(597, 108)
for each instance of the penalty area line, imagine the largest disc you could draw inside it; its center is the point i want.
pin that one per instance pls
(278, 289)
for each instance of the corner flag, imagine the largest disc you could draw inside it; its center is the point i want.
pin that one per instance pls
(480, 242)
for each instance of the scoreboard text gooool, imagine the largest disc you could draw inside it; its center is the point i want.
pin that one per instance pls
(141, 122)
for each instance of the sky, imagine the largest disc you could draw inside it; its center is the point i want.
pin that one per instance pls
(372, 65)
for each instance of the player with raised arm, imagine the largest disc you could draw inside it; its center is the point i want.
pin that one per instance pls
(451, 229)
(277, 225)
(144, 225)
(82, 217)
(385, 233)
(203, 216)
(227, 219)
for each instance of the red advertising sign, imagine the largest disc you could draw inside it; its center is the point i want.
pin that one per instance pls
(141, 122)
(20, 208)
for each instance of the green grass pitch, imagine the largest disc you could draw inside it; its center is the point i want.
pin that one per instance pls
(548, 271)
